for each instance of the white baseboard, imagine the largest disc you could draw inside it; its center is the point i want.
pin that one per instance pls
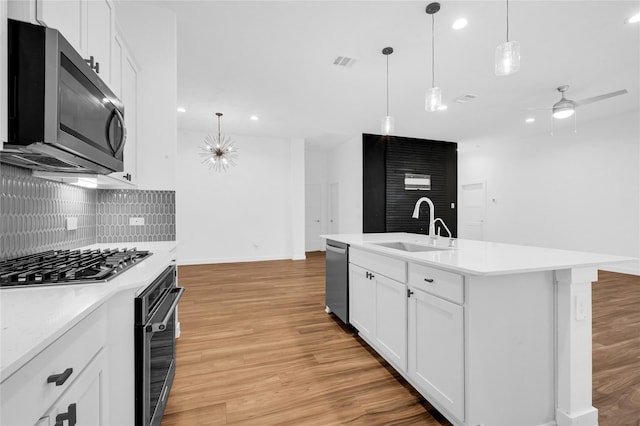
(209, 260)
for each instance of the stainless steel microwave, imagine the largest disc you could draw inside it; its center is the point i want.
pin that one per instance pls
(62, 116)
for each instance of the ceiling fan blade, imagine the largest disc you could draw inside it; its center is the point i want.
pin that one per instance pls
(601, 97)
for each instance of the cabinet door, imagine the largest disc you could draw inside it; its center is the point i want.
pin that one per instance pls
(362, 302)
(65, 16)
(130, 100)
(99, 35)
(391, 320)
(84, 399)
(436, 350)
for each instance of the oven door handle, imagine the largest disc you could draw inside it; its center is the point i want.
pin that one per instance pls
(161, 325)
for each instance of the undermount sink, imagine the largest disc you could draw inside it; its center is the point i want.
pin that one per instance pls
(400, 245)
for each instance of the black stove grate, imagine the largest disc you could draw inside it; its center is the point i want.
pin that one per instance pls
(56, 267)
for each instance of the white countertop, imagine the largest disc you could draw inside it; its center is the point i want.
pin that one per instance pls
(479, 257)
(33, 318)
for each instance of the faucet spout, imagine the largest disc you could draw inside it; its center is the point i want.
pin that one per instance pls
(416, 214)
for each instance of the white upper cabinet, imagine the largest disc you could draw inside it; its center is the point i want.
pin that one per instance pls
(99, 35)
(65, 16)
(87, 24)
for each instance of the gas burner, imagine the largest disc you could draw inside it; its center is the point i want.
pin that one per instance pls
(58, 267)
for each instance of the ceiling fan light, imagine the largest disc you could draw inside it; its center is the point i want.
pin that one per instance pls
(563, 112)
(388, 125)
(507, 60)
(433, 99)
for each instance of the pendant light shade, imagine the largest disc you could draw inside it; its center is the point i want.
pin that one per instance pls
(388, 125)
(219, 153)
(433, 98)
(507, 60)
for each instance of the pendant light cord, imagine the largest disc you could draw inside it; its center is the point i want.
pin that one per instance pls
(219, 115)
(433, 52)
(387, 85)
(507, 21)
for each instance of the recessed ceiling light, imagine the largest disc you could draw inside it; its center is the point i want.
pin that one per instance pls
(530, 120)
(442, 107)
(459, 24)
(634, 19)
(181, 109)
(254, 118)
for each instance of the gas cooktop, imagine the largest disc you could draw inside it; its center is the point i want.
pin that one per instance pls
(58, 267)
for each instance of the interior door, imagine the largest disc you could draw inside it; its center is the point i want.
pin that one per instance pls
(334, 192)
(473, 203)
(313, 215)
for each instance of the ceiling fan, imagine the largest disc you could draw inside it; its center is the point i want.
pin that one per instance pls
(565, 108)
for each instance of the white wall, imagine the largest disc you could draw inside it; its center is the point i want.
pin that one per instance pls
(578, 191)
(150, 31)
(254, 211)
(345, 167)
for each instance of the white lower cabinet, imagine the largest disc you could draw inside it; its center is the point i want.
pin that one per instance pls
(67, 379)
(362, 302)
(378, 310)
(436, 350)
(418, 328)
(391, 321)
(82, 404)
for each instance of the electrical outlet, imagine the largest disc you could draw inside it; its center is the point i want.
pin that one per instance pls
(136, 221)
(72, 223)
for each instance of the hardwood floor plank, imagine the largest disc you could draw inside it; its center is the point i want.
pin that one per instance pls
(257, 348)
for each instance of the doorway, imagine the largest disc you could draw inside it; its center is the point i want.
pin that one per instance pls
(313, 217)
(473, 202)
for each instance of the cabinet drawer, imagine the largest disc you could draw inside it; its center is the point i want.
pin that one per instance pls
(393, 268)
(26, 395)
(437, 282)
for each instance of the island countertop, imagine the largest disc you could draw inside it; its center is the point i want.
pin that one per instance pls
(473, 257)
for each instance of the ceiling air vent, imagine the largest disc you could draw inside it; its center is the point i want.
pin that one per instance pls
(344, 61)
(465, 98)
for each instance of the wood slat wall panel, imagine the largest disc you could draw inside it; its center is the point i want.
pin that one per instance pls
(257, 348)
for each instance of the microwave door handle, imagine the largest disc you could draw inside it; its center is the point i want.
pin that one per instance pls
(162, 325)
(123, 139)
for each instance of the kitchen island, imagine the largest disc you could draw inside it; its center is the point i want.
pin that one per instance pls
(489, 333)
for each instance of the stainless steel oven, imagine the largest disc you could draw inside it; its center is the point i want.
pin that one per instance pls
(155, 346)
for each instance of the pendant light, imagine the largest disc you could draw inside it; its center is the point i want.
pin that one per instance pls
(387, 120)
(507, 54)
(219, 152)
(433, 98)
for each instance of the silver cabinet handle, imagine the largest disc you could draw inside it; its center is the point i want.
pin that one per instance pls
(336, 249)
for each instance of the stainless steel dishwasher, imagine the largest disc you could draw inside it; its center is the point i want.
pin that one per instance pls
(337, 280)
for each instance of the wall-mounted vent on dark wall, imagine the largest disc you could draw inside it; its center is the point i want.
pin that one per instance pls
(387, 201)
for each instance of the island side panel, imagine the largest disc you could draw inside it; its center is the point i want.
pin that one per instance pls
(510, 347)
(574, 353)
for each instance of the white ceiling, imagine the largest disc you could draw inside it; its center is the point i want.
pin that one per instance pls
(275, 59)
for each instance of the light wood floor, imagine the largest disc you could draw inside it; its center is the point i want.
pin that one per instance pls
(257, 348)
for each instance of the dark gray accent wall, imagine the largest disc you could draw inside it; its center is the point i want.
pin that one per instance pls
(384, 192)
(33, 214)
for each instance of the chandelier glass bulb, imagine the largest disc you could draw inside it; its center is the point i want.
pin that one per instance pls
(433, 99)
(508, 58)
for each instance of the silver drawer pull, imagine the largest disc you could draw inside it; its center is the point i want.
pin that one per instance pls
(429, 280)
